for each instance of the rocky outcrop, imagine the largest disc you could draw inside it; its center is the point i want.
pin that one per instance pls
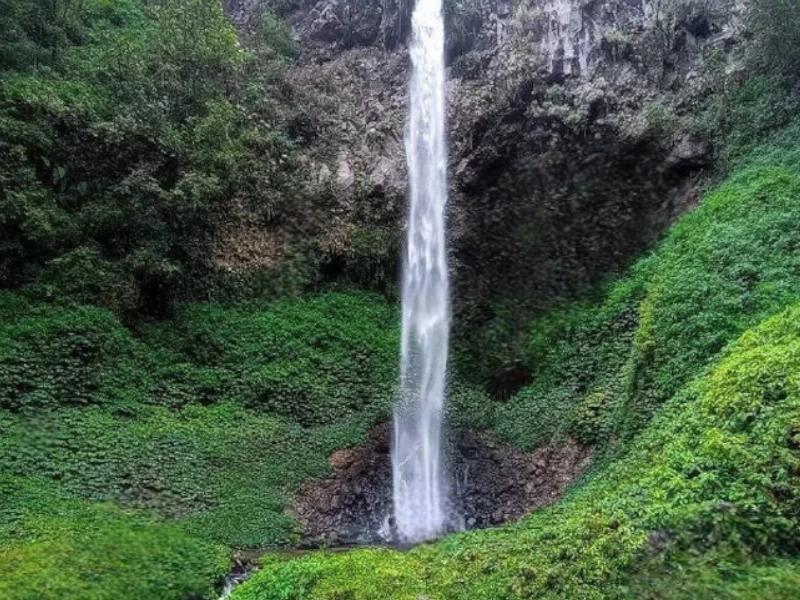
(571, 130)
(492, 484)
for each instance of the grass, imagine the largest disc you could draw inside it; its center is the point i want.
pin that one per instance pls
(716, 473)
(53, 547)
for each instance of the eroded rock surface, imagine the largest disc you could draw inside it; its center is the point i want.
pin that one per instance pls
(572, 143)
(493, 483)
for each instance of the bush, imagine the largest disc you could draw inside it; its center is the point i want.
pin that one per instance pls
(132, 147)
(743, 117)
(277, 36)
(776, 24)
(315, 361)
(63, 357)
(722, 269)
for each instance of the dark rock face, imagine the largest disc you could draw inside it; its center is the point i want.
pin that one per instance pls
(571, 145)
(491, 484)
(497, 483)
(351, 505)
(508, 380)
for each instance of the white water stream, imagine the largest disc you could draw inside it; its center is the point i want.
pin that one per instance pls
(419, 479)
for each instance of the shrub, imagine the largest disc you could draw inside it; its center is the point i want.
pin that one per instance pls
(777, 29)
(276, 35)
(161, 421)
(315, 361)
(59, 357)
(130, 150)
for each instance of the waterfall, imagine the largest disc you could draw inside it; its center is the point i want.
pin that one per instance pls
(420, 484)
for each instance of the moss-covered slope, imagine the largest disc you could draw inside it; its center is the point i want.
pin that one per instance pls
(204, 425)
(703, 336)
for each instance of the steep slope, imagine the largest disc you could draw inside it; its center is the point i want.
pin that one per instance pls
(703, 503)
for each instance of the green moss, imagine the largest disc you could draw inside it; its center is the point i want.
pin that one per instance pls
(717, 577)
(716, 472)
(56, 548)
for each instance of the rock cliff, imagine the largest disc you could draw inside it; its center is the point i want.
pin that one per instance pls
(572, 122)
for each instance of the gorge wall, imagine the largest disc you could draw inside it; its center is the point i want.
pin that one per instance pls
(573, 139)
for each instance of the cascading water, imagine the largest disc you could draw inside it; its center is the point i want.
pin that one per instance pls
(420, 484)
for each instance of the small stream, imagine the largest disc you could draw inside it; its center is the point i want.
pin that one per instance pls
(233, 580)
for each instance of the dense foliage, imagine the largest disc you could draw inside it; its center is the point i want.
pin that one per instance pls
(181, 418)
(776, 25)
(134, 136)
(211, 420)
(130, 133)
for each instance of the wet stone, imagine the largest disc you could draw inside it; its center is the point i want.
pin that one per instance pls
(492, 484)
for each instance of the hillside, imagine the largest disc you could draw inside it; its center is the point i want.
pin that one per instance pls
(201, 218)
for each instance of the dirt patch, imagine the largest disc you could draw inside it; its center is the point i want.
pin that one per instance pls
(492, 484)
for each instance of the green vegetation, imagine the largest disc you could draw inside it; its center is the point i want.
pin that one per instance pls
(56, 548)
(777, 31)
(602, 365)
(315, 361)
(153, 417)
(130, 133)
(740, 116)
(208, 396)
(707, 490)
(133, 136)
(211, 420)
(685, 371)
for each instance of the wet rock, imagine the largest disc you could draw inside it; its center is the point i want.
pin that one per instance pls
(491, 483)
(342, 459)
(689, 153)
(344, 174)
